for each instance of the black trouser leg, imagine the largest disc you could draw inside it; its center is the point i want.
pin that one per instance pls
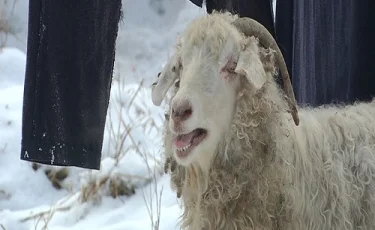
(70, 58)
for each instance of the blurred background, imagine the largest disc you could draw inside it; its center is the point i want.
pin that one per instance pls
(130, 192)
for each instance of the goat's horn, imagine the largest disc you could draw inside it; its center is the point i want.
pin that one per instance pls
(250, 27)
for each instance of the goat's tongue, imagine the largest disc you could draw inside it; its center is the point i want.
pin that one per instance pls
(185, 139)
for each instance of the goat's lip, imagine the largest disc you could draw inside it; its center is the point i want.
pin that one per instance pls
(186, 142)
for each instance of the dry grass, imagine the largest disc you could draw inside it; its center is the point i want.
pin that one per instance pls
(6, 28)
(122, 142)
(43, 218)
(113, 182)
(152, 199)
(121, 127)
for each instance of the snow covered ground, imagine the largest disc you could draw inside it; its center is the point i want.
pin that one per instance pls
(28, 200)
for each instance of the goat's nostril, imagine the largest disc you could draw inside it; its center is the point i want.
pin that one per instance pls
(187, 113)
(182, 113)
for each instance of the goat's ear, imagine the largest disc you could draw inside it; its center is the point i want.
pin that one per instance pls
(250, 65)
(168, 75)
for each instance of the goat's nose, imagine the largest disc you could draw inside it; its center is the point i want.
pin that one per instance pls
(182, 111)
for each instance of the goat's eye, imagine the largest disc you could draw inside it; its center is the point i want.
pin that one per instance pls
(166, 116)
(177, 84)
(230, 67)
(231, 70)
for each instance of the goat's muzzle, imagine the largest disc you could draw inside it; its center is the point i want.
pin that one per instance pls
(181, 111)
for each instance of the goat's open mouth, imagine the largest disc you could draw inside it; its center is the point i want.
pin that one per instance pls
(186, 142)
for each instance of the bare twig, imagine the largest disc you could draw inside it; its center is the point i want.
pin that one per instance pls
(39, 214)
(120, 127)
(2, 150)
(155, 221)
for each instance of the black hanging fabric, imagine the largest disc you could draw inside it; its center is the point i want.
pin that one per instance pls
(327, 45)
(284, 31)
(332, 49)
(70, 58)
(197, 2)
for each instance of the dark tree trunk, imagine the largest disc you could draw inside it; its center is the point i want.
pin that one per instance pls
(70, 57)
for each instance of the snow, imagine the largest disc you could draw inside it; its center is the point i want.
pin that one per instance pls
(27, 198)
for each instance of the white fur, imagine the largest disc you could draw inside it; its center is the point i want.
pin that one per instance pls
(256, 169)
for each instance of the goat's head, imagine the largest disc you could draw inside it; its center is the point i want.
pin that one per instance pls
(217, 51)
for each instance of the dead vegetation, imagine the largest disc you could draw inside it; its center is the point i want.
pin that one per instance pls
(122, 129)
(6, 27)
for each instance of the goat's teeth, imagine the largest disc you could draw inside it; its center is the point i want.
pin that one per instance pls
(184, 148)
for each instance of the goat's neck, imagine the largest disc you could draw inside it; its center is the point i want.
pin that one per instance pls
(244, 165)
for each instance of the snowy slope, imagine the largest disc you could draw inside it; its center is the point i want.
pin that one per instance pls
(27, 198)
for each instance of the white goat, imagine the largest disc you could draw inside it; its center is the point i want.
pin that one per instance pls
(242, 163)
